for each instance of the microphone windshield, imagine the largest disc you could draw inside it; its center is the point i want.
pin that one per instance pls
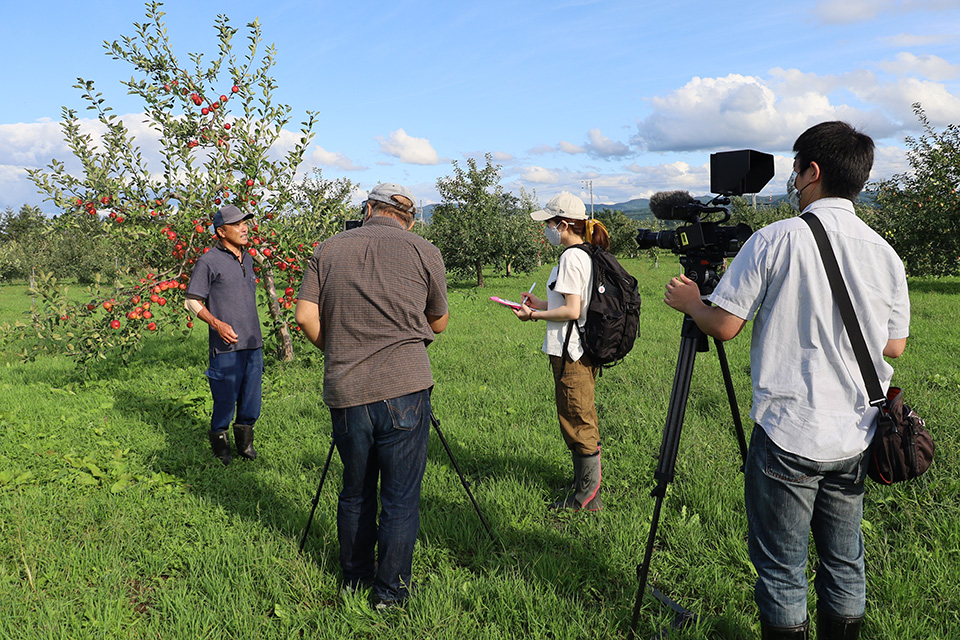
(663, 203)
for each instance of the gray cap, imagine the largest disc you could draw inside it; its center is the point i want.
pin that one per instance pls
(229, 215)
(562, 205)
(385, 191)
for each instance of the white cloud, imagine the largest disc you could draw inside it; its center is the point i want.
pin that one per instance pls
(833, 12)
(597, 146)
(36, 144)
(333, 159)
(711, 113)
(502, 156)
(907, 40)
(408, 149)
(768, 113)
(10, 173)
(541, 149)
(928, 66)
(673, 175)
(848, 11)
(569, 147)
(31, 144)
(888, 161)
(940, 105)
(539, 175)
(603, 147)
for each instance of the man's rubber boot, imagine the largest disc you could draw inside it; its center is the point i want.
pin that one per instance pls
(830, 627)
(243, 435)
(587, 474)
(799, 632)
(221, 446)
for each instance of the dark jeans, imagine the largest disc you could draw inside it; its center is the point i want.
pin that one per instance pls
(235, 381)
(385, 440)
(787, 497)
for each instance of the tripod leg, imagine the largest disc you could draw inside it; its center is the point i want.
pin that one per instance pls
(732, 399)
(316, 498)
(644, 568)
(691, 341)
(463, 481)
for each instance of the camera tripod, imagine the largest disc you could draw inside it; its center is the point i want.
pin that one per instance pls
(692, 340)
(466, 485)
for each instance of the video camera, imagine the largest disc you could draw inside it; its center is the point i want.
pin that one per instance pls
(703, 245)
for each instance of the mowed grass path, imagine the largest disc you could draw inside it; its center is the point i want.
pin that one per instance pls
(116, 522)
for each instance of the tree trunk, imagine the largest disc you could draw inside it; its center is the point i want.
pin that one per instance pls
(479, 266)
(280, 325)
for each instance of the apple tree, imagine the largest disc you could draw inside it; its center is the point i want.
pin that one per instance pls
(918, 212)
(221, 138)
(622, 231)
(477, 224)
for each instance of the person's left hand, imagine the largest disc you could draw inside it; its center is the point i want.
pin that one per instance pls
(524, 313)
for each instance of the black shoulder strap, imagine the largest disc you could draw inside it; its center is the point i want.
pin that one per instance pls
(842, 298)
(572, 326)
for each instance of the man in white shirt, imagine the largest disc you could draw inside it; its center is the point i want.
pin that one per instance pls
(806, 463)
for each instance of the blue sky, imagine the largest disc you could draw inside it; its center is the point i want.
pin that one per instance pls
(631, 95)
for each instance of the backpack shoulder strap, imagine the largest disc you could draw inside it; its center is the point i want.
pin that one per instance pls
(573, 325)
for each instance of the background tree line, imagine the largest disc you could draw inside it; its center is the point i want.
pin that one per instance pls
(132, 232)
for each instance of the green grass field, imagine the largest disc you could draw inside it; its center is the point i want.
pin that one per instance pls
(117, 522)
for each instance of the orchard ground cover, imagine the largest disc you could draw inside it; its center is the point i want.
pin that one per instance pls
(117, 522)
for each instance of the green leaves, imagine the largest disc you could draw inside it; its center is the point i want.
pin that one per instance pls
(216, 121)
(918, 212)
(477, 224)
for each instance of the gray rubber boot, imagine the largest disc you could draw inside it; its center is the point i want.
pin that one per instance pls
(243, 435)
(571, 486)
(586, 496)
(221, 446)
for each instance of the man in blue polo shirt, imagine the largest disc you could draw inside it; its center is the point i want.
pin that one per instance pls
(223, 293)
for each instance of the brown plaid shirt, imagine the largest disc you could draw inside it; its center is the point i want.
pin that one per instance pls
(375, 286)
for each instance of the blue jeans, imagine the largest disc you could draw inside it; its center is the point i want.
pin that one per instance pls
(787, 497)
(385, 440)
(235, 381)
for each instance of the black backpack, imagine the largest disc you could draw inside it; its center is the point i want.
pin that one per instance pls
(613, 315)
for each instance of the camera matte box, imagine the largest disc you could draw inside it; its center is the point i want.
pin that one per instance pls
(734, 173)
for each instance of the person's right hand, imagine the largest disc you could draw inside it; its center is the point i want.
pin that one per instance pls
(226, 332)
(532, 301)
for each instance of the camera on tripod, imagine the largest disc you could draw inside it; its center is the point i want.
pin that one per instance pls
(703, 244)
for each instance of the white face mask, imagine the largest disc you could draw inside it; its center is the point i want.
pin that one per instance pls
(552, 234)
(793, 194)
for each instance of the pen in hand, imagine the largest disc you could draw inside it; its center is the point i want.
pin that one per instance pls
(526, 296)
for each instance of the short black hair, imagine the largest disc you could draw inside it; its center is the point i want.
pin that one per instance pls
(844, 155)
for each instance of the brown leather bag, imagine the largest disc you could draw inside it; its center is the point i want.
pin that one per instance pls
(902, 448)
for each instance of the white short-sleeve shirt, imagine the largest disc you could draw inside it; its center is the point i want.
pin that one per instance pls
(573, 275)
(808, 393)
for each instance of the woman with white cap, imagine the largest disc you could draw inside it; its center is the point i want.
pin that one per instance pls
(568, 296)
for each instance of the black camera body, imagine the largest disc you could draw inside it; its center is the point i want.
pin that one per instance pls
(703, 245)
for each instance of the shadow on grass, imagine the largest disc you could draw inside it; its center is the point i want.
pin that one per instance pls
(557, 551)
(944, 287)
